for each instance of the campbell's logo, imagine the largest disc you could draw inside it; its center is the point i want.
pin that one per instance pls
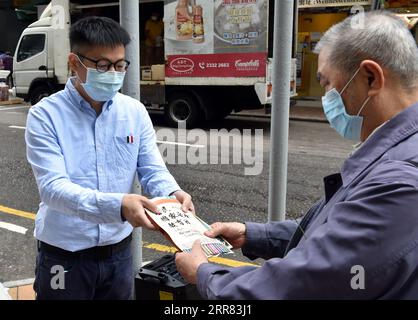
(182, 65)
(247, 65)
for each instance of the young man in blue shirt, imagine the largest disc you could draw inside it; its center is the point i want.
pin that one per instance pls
(86, 144)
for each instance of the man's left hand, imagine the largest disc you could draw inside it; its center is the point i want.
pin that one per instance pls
(188, 263)
(186, 200)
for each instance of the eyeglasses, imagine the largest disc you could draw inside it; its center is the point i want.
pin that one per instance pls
(104, 65)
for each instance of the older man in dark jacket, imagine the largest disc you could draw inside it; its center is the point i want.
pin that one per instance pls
(361, 240)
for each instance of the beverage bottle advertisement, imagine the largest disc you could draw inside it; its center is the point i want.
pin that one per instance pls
(216, 37)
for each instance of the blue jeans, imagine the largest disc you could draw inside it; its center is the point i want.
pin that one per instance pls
(84, 279)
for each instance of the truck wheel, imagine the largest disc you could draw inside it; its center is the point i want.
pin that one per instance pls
(38, 93)
(293, 103)
(182, 107)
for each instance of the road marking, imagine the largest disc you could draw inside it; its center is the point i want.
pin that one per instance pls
(19, 213)
(182, 144)
(17, 127)
(219, 260)
(12, 227)
(13, 108)
(153, 246)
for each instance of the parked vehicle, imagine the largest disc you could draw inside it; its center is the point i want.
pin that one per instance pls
(6, 63)
(218, 57)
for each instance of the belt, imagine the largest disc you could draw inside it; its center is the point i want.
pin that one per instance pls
(95, 253)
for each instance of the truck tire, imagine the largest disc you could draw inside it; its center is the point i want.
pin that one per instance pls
(182, 106)
(38, 93)
(293, 103)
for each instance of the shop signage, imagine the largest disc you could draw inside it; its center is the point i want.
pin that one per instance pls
(329, 3)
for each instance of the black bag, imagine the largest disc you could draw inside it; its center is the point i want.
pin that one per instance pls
(160, 280)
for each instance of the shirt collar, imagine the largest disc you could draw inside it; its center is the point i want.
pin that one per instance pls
(78, 101)
(402, 126)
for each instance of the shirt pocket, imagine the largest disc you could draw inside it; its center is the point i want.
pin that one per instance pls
(126, 151)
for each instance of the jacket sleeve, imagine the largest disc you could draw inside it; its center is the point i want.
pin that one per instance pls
(268, 240)
(367, 249)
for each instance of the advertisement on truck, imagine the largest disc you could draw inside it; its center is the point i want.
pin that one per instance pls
(216, 39)
(216, 55)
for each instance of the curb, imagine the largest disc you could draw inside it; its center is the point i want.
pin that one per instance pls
(19, 283)
(308, 119)
(294, 118)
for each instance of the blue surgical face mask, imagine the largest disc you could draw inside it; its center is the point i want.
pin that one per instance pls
(102, 86)
(349, 127)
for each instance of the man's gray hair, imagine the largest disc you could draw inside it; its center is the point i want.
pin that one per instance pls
(383, 38)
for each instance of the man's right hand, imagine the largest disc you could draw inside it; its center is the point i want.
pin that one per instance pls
(233, 232)
(133, 210)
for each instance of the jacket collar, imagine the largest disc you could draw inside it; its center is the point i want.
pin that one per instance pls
(399, 128)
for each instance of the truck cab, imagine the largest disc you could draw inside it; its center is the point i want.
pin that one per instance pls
(33, 71)
(40, 61)
(232, 77)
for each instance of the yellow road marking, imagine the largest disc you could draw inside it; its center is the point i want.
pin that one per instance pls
(19, 213)
(160, 247)
(153, 246)
(219, 260)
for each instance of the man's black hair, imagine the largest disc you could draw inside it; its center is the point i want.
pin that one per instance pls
(98, 32)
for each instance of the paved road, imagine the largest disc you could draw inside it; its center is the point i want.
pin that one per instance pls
(222, 192)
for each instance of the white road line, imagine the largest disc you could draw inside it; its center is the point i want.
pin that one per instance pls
(13, 227)
(182, 144)
(13, 108)
(17, 127)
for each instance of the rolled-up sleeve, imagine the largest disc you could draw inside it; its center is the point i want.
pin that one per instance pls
(152, 171)
(55, 187)
(374, 228)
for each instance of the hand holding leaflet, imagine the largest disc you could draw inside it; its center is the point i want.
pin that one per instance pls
(184, 228)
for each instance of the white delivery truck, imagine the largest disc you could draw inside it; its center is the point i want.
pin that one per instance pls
(217, 56)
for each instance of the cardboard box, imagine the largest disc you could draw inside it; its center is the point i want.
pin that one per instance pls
(146, 74)
(158, 72)
(4, 92)
(12, 101)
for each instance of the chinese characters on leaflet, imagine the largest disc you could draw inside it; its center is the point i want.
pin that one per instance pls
(184, 228)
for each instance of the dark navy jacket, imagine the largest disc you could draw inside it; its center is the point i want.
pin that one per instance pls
(368, 218)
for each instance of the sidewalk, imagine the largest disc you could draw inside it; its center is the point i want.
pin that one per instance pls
(307, 114)
(20, 290)
(303, 111)
(23, 289)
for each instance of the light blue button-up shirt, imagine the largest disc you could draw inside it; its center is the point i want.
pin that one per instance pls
(84, 164)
